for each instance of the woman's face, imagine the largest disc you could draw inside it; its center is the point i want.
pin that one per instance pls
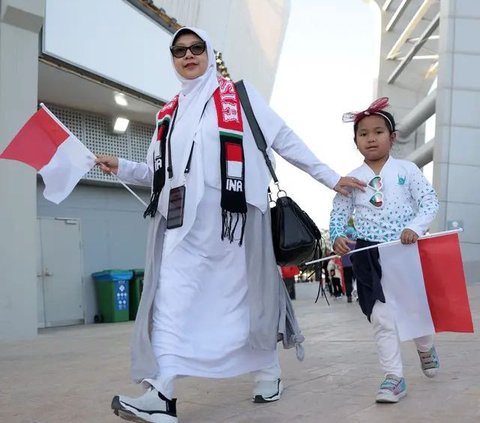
(191, 65)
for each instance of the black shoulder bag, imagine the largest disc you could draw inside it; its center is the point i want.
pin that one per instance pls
(296, 238)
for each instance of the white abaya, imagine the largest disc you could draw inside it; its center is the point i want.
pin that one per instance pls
(201, 316)
(209, 307)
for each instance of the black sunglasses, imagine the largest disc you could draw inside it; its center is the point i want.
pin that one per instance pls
(196, 49)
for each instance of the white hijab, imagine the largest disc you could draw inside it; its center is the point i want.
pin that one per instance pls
(195, 93)
(192, 99)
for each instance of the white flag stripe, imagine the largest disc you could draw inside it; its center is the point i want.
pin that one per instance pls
(65, 169)
(234, 169)
(404, 289)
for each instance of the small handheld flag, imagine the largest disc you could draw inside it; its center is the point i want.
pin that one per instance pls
(45, 144)
(427, 286)
(424, 283)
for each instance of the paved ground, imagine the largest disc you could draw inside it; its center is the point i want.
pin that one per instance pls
(70, 375)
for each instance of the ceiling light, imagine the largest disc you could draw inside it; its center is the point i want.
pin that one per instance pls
(121, 100)
(120, 125)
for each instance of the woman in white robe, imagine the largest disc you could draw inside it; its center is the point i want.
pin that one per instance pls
(210, 307)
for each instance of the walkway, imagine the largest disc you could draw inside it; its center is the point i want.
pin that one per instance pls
(69, 375)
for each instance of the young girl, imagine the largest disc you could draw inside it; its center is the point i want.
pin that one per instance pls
(398, 203)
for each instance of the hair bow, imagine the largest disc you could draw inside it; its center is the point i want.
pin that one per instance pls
(377, 106)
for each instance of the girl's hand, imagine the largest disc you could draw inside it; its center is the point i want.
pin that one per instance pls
(347, 182)
(108, 164)
(340, 246)
(408, 236)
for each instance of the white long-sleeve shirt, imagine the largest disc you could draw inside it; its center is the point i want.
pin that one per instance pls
(409, 201)
(279, 138)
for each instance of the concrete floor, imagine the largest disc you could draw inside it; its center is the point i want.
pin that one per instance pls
(70, 375)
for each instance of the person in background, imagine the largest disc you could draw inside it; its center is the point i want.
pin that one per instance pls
(347, 263)
(213, 303)
(335, 275)
(347, 276)
(288, 275)
(400, 204)
(326, 272)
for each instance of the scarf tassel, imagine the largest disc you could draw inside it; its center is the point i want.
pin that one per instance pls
(229, 225)
(153, 206)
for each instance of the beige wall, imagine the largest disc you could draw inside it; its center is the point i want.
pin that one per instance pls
(20, 24)
(457, 147)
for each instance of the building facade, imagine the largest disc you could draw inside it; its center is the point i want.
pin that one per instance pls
(91, 62)
(429, 64)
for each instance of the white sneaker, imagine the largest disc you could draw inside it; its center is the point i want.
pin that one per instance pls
(429, 362)
(267, 391)
(392, 389)
(151, 407)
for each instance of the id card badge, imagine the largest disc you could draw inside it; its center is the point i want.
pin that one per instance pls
(176, 204)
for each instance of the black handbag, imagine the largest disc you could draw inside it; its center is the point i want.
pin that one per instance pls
(296, 238)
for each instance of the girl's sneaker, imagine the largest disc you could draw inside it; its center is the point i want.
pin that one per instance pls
(429, 362)
(392, 389)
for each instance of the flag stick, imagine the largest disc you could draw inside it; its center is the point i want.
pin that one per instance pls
(386, 244)
(55, 119)
(129, 189)
(320, 260)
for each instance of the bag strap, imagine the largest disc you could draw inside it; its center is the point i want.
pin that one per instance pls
(252, 122)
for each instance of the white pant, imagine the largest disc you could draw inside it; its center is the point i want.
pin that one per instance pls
(167, 386)
(387, 341)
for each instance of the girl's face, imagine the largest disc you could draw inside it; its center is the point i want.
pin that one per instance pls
(191, 65)
(374, 139)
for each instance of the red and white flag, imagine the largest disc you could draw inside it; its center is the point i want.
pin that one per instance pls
(234, 160)
(425, 285)
(49, 147)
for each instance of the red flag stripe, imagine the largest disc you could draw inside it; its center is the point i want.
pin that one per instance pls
(234, 152)
(37, 141)
(444, 278)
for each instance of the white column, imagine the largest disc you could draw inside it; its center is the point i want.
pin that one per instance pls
(457, 140)
(20, 23)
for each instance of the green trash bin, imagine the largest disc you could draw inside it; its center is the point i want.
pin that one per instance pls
(112, 288)
(136, 288)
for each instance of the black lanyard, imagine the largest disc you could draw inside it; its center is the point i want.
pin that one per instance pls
(169, 144)
(169, 147)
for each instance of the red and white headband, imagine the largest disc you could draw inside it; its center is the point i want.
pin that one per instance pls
(374, 109)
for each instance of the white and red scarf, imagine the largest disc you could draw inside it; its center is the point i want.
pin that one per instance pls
(232, 160)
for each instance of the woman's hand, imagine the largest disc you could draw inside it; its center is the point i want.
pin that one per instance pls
(340, 246)
(408, 236)
(108, 164)
(347, 182)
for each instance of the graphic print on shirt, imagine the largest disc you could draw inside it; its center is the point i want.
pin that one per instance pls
(409, 200)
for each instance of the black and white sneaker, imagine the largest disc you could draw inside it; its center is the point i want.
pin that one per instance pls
(267, 391)
(151, 407)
